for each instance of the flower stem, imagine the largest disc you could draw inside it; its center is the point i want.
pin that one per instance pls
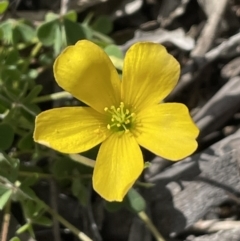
(54, 96)
(82, 159)
(82, 236)
(150, 226)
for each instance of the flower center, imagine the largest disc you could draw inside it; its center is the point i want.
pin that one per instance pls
(121, 118)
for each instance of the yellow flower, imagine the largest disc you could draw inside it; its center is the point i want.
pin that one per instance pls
(122, 114)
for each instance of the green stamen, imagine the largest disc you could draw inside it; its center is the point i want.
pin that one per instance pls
(120, 118)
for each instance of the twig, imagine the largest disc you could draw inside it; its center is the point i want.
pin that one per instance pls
(64, 7)
(204, 43)
(223, 48)
(209, 31)
(6, 221)
(210, 226)
(187, 72)
(219, 108)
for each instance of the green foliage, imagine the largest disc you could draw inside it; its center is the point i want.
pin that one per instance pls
(15, 31)
(15, 239)
(135, 201)
(5, 198)
(79, 190)
(3, 6)
(113, 50)
(103, 24)
(113, 206)
(6, 137)
(73, 31)
(46, 33)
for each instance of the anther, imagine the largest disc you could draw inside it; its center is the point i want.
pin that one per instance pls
(120, 117)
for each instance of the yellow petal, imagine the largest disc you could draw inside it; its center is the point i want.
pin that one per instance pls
(149, 74)
(85, 71)
(70, 129)
(167, 130)
(119, 163)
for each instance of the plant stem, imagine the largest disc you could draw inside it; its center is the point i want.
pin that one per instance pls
(54, 96)
(40, 175)
(102, 37)
(82, 236)
(36, 49)
(150, 226)
(36, 174)
(6, 221)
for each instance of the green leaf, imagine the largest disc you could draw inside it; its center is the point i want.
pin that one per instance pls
(44, 221)
(80, 191)
(74, 31)
(15, 239)
(6, 28)
(3, 6)
(103, 24)
(27, 191)
(46, 58)
(23, 228)
(12, 57)
(114, 50)
(33, 93)
(10, 74)
(135, 201)
(63, 168)
(6, 136)
(51, 16)
(3, 189)
(9, 168)
(46, 33)
(32, 209)
(26, 32)
(59, 41)
(26, 142)
(30, 181)
(113, 206)
(87, 31)
(31, 110)
(71, 15)
(4, 198)
(1, 33)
